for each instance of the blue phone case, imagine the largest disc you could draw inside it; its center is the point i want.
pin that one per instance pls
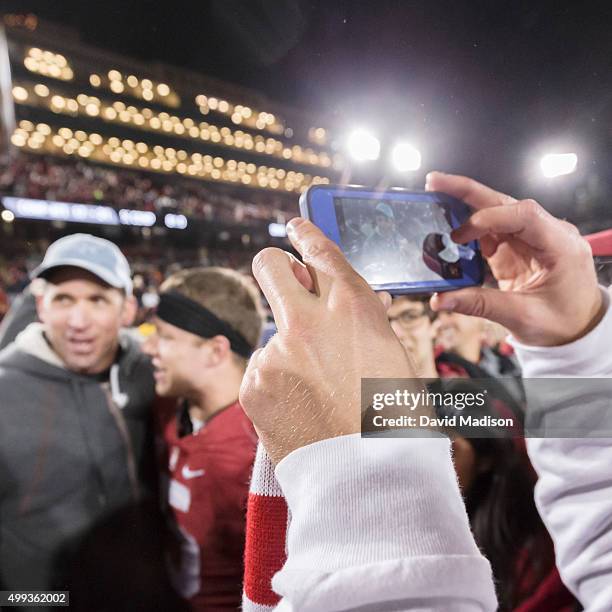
(398, 240)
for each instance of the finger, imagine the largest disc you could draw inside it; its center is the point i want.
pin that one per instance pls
(488, 245)
(254, 362)
(251, 379)
(274, 273)
(302, 273)
(254, 357)
(250, 370)
(470, 191)
(570, 226)
(526, 221)
(314, 280)
(317, 250)
(385, 298)
(502, 307)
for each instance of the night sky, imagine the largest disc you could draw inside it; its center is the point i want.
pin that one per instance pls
(482, 86)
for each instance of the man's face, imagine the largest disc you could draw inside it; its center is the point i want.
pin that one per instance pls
(411, 324)
(82, 317)
(177, 357)
(384, 224)
(452, 329)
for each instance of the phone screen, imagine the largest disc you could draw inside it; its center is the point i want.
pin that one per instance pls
(391, 241)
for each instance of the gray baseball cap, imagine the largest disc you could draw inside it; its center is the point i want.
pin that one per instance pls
(96, 255)
(384, 209)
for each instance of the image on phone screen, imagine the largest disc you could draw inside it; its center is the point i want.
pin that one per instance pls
(390, 241)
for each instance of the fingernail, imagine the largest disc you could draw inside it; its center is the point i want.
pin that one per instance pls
(429, 178)
(293, 224)
(442, 302)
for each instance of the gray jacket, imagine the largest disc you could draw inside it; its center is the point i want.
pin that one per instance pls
(72, 451)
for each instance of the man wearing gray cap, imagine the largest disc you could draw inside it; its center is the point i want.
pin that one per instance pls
(74, 416)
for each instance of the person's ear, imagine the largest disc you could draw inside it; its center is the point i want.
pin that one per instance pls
(40, 307)
(130, 308)
(220, 349)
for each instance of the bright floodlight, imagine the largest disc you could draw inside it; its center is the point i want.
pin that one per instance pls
(363, 146)
(558, 164)
(405, 157)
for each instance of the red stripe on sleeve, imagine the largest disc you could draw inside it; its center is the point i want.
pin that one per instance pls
(264, 553)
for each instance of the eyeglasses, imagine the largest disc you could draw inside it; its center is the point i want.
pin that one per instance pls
(408, 318)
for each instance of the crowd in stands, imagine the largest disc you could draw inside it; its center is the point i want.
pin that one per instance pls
(63, 180)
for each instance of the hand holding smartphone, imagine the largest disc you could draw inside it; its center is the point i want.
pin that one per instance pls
(398, 240)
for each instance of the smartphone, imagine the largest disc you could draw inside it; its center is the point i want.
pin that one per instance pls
(398, 240)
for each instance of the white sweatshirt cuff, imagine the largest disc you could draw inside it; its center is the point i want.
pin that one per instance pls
(386, 509)
(587, 356)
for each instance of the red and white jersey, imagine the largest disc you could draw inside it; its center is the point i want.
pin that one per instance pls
(208, 475)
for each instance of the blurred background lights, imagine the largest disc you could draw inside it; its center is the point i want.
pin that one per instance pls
(558, 164)
(277, 230)
(405, 157)
(174, 221)
(363, 146)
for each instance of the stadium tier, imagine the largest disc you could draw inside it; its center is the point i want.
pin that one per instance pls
(102, 143)
(72, 100)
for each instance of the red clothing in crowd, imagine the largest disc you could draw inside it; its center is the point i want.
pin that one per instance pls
(208, 472)
(4, 303)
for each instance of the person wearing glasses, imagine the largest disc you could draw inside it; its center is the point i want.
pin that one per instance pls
(411, 319)
(494, 473)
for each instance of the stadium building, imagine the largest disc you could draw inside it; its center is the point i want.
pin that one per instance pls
(168, 163)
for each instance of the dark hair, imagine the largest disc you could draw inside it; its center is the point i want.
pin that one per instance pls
(505, 521)
(230, 295)
(421, 299)
(501, 507)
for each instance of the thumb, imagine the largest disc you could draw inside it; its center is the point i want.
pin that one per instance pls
(500, 306)
(385, 298)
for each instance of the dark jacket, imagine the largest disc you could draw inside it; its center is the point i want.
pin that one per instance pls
(73, 450)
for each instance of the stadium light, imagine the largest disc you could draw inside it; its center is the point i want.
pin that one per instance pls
(277, 230)
(558, 164)
(174, 221)
(363, 146)
(139, 218)
(405, 157)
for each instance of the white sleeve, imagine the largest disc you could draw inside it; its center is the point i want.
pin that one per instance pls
(574, 490)
(378, 524)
